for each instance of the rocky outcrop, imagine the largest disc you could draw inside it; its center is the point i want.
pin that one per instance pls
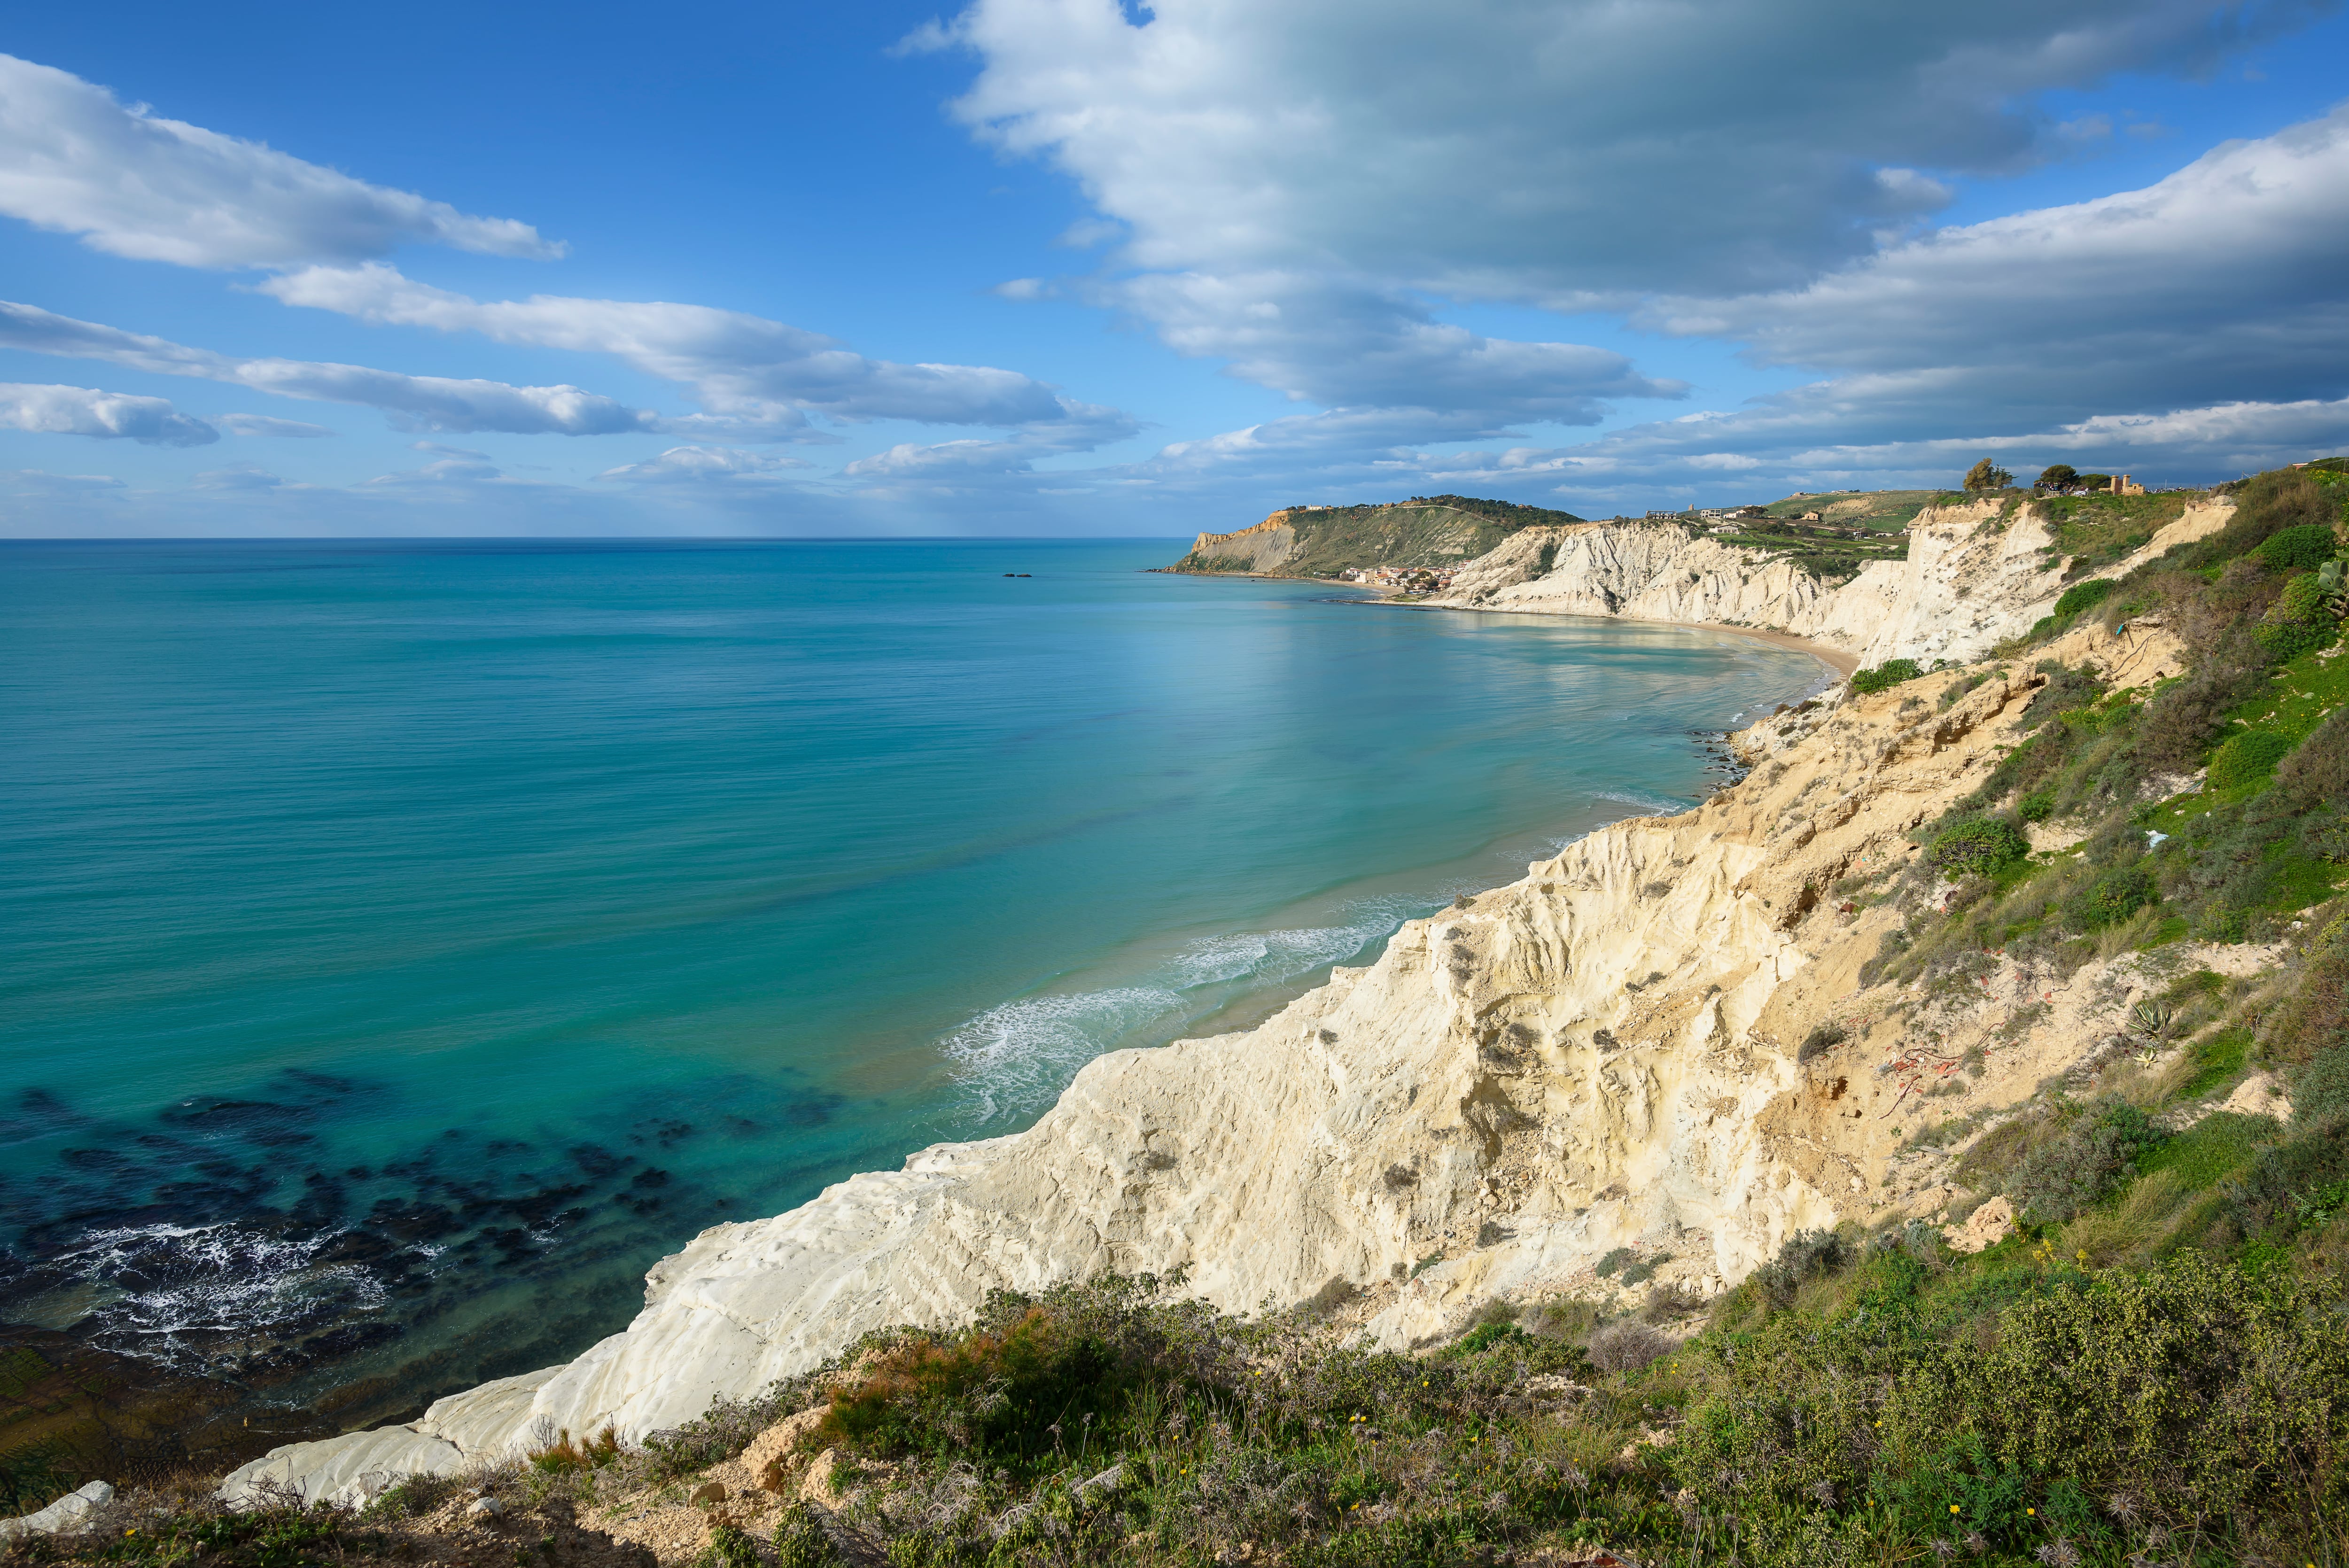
(67, 1512)
(1266, 547)
(1657, 1039)
(1977, 573)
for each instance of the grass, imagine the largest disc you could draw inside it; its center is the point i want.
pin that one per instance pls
(1881, 511)
(1823, 550)
(2095, 531)
(2211, 1150)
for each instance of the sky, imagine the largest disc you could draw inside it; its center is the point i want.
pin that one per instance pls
(1063, 267)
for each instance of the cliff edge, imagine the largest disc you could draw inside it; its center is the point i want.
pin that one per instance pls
(1622, 1049)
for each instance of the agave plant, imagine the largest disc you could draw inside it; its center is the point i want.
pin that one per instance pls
(2332, 581)
(2152, 1019)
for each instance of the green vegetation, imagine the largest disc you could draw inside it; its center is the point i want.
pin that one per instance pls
(1877, 511)
(1978, 846)
(2247, 759)
(2084, 596)
(1829, 552)
(1428, 531)
(1863, 1398)
(2092, 531)
(1986, 475)
(1886, 675)
(1508, 513)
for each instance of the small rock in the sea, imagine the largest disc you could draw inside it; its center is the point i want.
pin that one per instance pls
(710, 1492)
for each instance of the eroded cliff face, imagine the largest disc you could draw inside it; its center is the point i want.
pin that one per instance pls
(1264, 547)
(1604, 1054)
(1977, 573)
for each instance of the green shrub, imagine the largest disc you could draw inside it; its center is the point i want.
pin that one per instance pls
(1805, 1255)
(2287, 640)
(1978, 846)
(2088, 1160)
(2037, 807)
(2303, 548)
(2320, 1090)
(1886, 675)
(2247, 759)
(2112, 898)
(2302, 601)
(800, 1540)
(2084, 596)
(728, 1547)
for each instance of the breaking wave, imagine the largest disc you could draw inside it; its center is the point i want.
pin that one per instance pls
(188, 1293)
(1015, 1058)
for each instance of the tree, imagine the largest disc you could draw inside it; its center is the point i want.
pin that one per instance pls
(2092, 483)
(2058, 477)
(1986, 475)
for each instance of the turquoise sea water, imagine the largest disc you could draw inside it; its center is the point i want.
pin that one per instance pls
(405, 943)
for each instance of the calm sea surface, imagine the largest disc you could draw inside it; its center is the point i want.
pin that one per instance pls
(403, 945)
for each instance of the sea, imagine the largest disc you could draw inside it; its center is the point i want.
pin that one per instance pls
(403, 945)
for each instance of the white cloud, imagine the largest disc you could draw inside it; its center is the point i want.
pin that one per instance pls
(265, 425)
(1492, 148)
(75, 160)
(108, 416)
(241, 477)
(2221, 282)
(754, 378)
(412, 402)
(1348, 341)
(702, 466)
(1296, 181)
(40, 482)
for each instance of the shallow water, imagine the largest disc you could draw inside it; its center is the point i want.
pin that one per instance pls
(408, 942)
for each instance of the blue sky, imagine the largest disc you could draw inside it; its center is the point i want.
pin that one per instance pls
(1061, 266)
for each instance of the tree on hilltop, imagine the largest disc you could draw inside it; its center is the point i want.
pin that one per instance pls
(1986, 475)
(2057, 477)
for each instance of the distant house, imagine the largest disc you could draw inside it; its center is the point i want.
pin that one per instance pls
(1808, 516)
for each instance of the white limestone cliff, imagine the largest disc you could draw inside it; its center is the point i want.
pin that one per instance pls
(1604, 1054)
(1977, 573)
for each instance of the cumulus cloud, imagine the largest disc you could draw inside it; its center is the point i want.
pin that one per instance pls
(1290, 181)
(754, 378)
(703, 466)
(108, 416)
(265, 425)
(1540, 151)
(77, 160)
(2221, 282)
(412, 402)
(1350, 341)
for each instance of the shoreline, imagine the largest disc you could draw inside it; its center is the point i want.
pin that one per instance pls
(1842, 664)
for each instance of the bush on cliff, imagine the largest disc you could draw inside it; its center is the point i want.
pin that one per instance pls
(2302, 547)
(1978, 846)
(1885, 676)
(2097, 1150)
(2084, 596)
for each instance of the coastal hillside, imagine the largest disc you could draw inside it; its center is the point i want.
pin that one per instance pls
(1324, 541)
